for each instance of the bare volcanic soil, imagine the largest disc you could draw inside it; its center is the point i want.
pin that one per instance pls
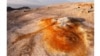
(55, 30)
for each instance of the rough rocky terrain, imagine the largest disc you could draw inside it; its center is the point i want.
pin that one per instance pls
(25, 34)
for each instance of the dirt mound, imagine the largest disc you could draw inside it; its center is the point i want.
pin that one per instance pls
(56, 30)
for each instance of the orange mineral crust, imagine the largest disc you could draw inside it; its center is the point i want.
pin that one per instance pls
(65, 40)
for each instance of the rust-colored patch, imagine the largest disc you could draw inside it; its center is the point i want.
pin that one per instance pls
(63, 39)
